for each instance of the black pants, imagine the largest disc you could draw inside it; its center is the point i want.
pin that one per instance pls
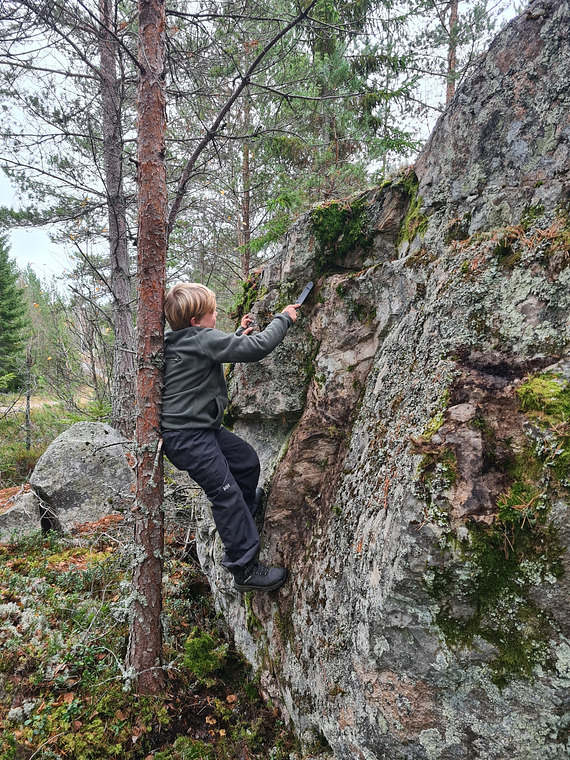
(227, 468)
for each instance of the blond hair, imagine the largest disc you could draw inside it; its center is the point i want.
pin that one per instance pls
(187, 300)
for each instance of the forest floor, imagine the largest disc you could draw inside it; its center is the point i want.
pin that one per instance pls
(64, 693)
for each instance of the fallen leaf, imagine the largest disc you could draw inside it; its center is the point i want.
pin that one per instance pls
(120, 715)
(211, 721)
(231, 699)
(76, 725)
(68, 698)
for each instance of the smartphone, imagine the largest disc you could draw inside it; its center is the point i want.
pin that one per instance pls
(305, 293)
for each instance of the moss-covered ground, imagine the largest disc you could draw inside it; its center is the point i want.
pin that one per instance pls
(63, 636)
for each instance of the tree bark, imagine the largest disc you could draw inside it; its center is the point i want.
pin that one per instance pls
(124, 374)
(244, 218)
(144, 657)
(452, 49)
(244, 237)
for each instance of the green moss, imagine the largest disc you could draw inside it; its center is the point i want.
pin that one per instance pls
(357, 309)
(252, 622)
(547, 394)
(340, 227)
(437, 420)
(486, 594)
(546, 400)
(441, 465)
(530, 215)
(185, 748)
(415, 223)
(484, 583)
(284, 623)
(204, 654)
(522, 500)
(506, 251)
(433, 426)
(249, 292)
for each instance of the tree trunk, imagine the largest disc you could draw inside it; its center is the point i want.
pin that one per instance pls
(29, 363)
(144, 656)
(452, 49)
(244, 233)
(124, 375)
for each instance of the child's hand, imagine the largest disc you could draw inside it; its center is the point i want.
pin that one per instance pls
(246, 322)
(291, 310)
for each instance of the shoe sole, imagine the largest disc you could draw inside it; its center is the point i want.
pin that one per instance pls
(273, 587)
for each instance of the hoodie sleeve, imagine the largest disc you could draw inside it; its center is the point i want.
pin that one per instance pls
(221, 347)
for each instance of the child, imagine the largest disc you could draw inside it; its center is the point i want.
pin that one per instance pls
(195, 396)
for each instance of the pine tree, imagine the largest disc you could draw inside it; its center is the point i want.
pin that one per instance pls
(12, 321)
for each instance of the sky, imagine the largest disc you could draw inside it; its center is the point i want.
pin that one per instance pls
(33, 246)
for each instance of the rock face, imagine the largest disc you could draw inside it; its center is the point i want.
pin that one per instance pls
(414, 434)
(82, 476)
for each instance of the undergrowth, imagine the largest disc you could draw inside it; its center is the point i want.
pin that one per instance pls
(63, 636)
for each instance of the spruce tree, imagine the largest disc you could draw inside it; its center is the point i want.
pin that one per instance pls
(12, 321)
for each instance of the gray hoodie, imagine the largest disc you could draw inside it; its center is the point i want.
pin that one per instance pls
(195, 392)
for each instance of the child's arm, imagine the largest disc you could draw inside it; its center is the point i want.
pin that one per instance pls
(221, 347)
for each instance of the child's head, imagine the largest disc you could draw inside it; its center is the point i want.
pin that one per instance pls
(187, 303)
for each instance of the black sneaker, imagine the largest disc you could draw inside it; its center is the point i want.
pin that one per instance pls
(258, 509)
(258, 577)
